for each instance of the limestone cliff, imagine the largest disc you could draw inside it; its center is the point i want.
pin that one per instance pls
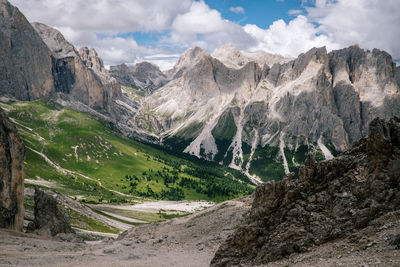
(12, 156)
(26, 62)
(79, 76)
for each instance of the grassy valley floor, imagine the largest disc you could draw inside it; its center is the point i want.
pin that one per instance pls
(80, 158)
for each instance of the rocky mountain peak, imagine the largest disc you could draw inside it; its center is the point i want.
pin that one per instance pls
(144, 76)
(234, 58)
(146, 67)
(189, 58)
(60, 47)
(91, 59)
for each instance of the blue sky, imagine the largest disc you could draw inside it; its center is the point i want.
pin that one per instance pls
(259, 12)
(262, 13)
(129, 31)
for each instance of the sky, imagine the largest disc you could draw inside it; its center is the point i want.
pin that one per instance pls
(159, 31)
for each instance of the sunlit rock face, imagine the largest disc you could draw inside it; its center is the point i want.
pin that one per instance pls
(318, 102)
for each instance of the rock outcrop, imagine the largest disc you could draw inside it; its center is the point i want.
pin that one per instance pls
(143, 76)
(37, 62)
(49, 220)
(26, 62)
(79, 76)
(12, 157)
(329, 200)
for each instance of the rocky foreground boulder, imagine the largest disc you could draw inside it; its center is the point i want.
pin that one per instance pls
(329, 200)
(12, 156)
(49, 220)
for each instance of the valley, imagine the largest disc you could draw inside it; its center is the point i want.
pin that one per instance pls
(75, 155)
(203, 141)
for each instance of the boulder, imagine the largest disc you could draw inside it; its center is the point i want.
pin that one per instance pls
(49, 220)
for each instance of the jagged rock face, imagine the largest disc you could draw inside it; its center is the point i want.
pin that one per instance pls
(235, 59)
(143, 76)
(91, 59)
(38, 62)
(12, 156)
(198, 96)
(79, 76)
(82, 82)
(318, 102)
(186, 61)
(49, 220)
(26, 62)
(329, 200)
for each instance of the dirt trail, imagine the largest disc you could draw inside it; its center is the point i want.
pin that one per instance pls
(191, 241)
(73, 173)
(186, 241)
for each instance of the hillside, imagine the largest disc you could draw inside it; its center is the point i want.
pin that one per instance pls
(79, 156)
(264, 118)
(341, 212)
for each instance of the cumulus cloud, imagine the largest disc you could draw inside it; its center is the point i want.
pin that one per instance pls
(97, 23)
(369, 23)
(205, 27)
(237, 10)
(291, 39)
(104, 25)
(109, 16)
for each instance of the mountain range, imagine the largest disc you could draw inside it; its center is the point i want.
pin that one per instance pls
(256, 112)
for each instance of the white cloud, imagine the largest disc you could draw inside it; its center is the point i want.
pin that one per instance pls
(107, 16)
(199, 20)
(294, 12)
(237, 10)
(165, 62)
(291, 39)
(370, 23)
(205, 27)
(184, 23)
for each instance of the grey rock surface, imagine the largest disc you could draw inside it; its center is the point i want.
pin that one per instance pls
(12, 157)
(320, 100)
(26, 62)
(329, 200)
(49, 220)
(79, 75)
(143, 76)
